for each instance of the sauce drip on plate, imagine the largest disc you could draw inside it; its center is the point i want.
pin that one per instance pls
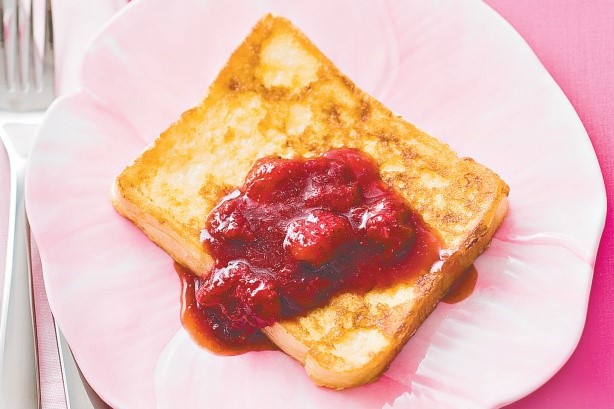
(463, 287)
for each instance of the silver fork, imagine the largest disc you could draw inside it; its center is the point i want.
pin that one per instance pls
(28, 86)
(27, 91)
(26, 37)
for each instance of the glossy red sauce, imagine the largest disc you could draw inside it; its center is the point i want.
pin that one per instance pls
(298, 232)
(201, 327)
(463, 287)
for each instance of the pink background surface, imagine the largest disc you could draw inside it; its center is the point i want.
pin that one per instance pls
(573, 39)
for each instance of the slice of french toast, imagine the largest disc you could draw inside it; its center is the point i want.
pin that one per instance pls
(279, 95)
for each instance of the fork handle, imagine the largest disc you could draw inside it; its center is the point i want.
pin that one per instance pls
(19, 383)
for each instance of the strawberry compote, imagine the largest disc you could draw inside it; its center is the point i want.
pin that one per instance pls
(300, 231)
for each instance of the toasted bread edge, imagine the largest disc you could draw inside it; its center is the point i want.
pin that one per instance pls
(157, 230)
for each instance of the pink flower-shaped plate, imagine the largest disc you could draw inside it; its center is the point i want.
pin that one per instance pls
(454, 68)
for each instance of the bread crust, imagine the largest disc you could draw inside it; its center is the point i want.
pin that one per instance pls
(279, 95)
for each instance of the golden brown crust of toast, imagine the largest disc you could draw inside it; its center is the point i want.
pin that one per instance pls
(279, 95)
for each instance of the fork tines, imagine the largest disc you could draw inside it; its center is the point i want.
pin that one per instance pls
(26, 53)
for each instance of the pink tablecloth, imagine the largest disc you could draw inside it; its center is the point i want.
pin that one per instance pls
(573, 39)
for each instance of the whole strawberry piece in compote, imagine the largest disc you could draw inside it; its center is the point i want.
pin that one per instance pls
(331, 185)
(364, 168)
(256, 301)
(387, 222)
(274, 179)
(227, 222)
(316, 237)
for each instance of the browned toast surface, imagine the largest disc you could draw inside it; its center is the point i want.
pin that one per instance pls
(279, 95)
